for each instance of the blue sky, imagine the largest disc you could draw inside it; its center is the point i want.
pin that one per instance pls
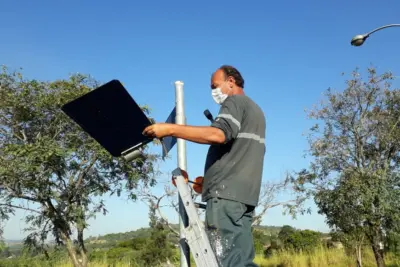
(289, 53)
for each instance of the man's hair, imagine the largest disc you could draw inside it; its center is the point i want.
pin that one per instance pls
(232, 71)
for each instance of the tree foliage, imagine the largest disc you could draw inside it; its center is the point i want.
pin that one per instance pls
(286, 232)
(158, 249)
(261, 238)
(48, 161)
(2, 246)
(299, 240)
(354, 174)
(393, 242)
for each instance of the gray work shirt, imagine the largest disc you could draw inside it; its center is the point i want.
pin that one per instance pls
(233, 170)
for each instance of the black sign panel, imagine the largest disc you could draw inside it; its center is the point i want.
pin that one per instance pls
(111, 116)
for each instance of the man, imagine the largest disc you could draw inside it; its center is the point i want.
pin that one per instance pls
(233, 169)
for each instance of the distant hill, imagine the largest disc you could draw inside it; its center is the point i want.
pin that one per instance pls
(13, 242)
(114, 238)
(272, 230)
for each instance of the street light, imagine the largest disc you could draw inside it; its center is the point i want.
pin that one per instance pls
(358, 40)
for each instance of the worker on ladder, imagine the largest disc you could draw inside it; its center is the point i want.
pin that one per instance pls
(233, 168)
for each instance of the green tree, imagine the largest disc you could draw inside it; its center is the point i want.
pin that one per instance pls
(285, 233)
(5, 251)
(4, 210)
(136, 243)
(158, 249)
(353, 241)
(354, 174)
(393, 242)
(46, 159)
(2, 246)
(299, 240)
(260, 240)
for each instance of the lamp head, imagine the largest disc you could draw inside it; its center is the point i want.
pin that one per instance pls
(358, 40)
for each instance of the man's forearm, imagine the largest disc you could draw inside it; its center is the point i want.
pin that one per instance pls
(198, 134)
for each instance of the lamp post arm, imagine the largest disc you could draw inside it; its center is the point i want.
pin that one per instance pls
(383, 27)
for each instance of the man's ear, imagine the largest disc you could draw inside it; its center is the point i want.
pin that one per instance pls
(232, 80)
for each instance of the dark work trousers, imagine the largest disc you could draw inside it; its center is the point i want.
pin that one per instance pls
(228, 225)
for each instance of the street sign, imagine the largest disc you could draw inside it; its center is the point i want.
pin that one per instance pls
(169, 141)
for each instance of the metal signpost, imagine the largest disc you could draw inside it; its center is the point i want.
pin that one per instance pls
(181, 146)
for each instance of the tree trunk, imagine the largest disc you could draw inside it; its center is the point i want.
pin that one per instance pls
(378, 253)
(62, 226)
(359, 255)
(71, 251)
(84, 259)
(82, 248)
(81, 241)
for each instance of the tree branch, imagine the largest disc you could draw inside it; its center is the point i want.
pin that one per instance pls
(14, 194)
(25, 138)
(13, 133)
(20, 207)
(165, 220)
(258, 218)
(146, 195)
(82, 174)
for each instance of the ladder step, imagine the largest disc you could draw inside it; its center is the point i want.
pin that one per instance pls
(200, 205)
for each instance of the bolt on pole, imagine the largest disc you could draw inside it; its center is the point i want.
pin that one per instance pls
(181, 146)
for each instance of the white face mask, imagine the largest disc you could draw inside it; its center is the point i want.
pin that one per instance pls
(218, 96)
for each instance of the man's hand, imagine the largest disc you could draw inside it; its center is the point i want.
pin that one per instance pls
(158, 130)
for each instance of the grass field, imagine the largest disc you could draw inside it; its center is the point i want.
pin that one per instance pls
(321, 258)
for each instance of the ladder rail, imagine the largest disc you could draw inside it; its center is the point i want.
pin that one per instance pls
(195, 234)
